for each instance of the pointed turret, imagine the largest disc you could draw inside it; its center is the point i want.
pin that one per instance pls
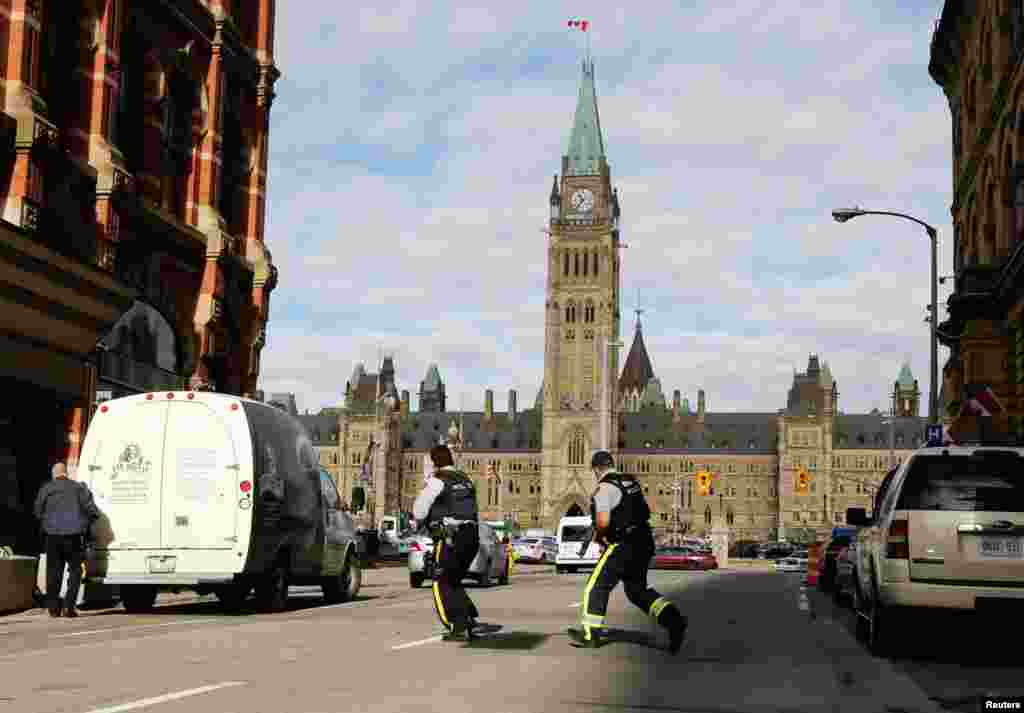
(638, 370)
(586, 145)
(432, 398)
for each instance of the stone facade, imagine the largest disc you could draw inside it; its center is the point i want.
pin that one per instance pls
(132, 209)
(977, 58)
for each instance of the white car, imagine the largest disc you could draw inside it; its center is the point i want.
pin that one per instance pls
(536, 549)
(791, 564)
(491, 562)
(947, 534)
(571, 532)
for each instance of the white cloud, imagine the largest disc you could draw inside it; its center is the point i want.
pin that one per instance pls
(412, 152)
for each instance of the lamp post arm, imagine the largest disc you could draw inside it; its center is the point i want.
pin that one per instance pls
(932, 232)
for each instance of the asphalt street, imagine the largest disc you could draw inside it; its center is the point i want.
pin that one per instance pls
(758, 641)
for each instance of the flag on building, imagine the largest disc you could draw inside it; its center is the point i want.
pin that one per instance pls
(581, 25)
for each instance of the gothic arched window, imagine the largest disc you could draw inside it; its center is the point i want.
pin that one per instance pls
(570, 313)
(576, 254)
(595, 263)
(576, 449)
(707, 514)
(565, 262)
(586, 263)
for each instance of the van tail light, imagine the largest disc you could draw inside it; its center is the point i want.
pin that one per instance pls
(191, 395)
(897, 546)
(104, 408)
(245, 486)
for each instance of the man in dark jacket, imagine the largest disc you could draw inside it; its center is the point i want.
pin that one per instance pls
(66, 510)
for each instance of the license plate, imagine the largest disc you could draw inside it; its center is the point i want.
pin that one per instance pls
(1001, 548)
(162, 566)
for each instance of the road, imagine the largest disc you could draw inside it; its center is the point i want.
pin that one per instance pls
(757, 642)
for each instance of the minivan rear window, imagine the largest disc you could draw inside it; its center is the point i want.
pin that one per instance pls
(960, 483)
(573, 533)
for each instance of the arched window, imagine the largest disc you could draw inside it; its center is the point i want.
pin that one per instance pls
(707, 514)
(576, 254)
(570, 313)
(729, 517)
(576, 449)
(565, 262)
(141, 350)
(595, 264)
(586, 263)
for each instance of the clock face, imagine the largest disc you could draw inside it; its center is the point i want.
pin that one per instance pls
(583, 200)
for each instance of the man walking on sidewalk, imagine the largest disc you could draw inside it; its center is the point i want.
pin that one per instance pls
(66, 510)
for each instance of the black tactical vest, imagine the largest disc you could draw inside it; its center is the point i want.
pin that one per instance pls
(631, 512)
(457, 500)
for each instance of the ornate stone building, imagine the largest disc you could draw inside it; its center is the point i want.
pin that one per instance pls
(132, 206)
(976, 57)
(541, 454)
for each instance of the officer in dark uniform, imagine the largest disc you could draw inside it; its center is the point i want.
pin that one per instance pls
(620, 519)
(447, 506)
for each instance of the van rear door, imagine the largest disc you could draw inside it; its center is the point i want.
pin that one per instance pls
(201, 471)
(122, 462)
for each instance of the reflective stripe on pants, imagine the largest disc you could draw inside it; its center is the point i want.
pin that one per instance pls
(587, 619)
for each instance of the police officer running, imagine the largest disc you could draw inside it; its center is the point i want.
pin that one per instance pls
(447, 506)
(620, 517)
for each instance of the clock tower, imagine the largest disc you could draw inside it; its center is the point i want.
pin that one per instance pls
(581, 314)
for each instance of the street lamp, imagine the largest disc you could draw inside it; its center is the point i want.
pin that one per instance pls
(841, 215)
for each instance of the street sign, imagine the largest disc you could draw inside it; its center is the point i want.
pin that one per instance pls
(934, 434)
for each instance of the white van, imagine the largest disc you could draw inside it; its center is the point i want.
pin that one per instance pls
(571, 532)
(213, 493)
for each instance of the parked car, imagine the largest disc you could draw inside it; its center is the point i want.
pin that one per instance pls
(213, 493)
(791, 564)
(491, 562)
(946, 535)
(682, 558)
(536, 549)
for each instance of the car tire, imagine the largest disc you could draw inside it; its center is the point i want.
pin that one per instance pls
(416, 579)
(138, 599)
(343, 587)
(273, 590)
(232, 596)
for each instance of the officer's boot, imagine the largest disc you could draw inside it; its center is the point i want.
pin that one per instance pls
(675, 622)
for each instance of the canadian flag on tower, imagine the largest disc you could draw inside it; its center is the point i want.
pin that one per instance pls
(580, 24)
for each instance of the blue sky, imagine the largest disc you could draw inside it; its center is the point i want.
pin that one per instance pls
(413, 145)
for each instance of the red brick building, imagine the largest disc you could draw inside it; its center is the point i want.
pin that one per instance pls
(132, 202)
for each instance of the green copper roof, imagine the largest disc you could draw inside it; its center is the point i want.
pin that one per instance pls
(906, 379)
(586, 147)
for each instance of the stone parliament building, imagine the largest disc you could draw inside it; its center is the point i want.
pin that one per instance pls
(541, 454)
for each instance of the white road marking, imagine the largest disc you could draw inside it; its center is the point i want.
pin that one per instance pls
(166, 697)
(130, 628)
(416, 643)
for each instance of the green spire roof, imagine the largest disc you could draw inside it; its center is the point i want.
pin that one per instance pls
(586, 147)
(906, 379)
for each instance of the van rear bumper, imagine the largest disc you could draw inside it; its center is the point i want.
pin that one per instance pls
(167, 580)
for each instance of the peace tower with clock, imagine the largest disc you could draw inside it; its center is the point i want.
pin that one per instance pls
(581, 310)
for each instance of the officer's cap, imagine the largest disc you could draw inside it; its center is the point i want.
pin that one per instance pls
(601, 459)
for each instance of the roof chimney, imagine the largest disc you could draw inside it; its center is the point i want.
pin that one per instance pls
(489, 404)
(512, 411)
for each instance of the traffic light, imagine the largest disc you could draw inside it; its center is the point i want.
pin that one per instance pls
(704, 482)
(802, 480)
